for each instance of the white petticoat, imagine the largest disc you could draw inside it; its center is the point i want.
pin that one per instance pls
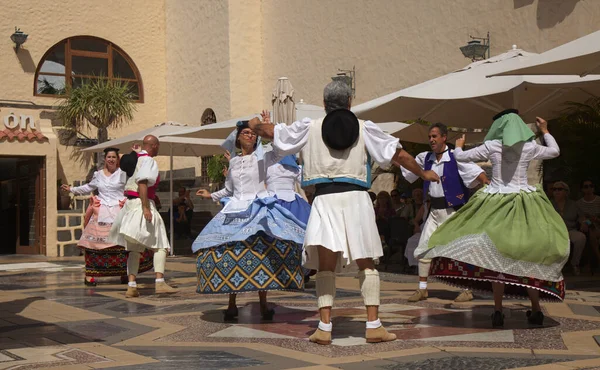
(131, 229)
(342, 222)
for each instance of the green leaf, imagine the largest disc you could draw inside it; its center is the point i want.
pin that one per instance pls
(216, 165)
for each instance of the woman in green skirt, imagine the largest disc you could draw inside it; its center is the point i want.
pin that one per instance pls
(508, 238)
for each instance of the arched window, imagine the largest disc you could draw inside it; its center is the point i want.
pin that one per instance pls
(208, 117)
(82, 58)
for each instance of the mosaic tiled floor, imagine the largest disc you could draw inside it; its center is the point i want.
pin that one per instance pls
(49, 320)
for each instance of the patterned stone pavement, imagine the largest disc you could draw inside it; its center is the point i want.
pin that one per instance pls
(50, 320)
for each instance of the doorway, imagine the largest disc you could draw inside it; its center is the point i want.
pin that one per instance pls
(23, 205)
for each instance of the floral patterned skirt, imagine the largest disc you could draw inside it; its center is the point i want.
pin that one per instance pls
(113, 262)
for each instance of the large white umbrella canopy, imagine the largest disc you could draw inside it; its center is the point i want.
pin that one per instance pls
(169, 145)
(222, 129)
(283, 102)
(172, 146)
(419, 133)
(467, 98)
(580, 57)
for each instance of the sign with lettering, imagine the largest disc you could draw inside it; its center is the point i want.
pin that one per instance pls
(23, 121)
(21, 127)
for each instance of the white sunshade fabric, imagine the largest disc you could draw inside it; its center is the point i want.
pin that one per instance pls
(170, 145)
(579, 57)
(468, 98)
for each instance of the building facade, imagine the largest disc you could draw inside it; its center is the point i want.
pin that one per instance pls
(188, 60)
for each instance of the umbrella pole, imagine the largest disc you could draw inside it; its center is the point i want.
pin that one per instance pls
(171, 228)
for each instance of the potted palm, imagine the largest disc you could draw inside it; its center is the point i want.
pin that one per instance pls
(99, 102)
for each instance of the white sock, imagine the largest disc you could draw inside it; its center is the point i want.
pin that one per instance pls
(161, 280)
(132, 284)
(422, 285)
(373, 324)
(325, 327)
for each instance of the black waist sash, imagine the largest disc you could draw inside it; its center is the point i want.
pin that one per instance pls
(337, 187)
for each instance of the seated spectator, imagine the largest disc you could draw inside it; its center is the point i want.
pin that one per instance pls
(573, 219)
(548, 186)
(398, 202)
(183, 212)
(407, 212)
(589, 206)
(383, 212)
(373, 197)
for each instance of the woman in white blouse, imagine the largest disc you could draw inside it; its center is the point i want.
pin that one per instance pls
(254, 244)
(103, 258)
(508, 238)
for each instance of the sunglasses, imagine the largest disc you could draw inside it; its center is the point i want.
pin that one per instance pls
(588, 186)
(248, 133)
(558, 189)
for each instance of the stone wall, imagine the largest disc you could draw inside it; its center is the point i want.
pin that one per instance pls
(69, 225)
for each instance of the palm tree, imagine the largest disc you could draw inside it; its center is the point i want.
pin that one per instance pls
(99, 102)
(577, 132)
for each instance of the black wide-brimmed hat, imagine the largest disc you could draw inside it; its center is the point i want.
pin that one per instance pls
(340, 129)
(128, 162)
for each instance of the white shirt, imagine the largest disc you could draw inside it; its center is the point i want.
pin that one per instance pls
(147, 169)
(509, 164)
(281, 181)
(110, 188)
(467, 171)
(246, 177)
(291, 139)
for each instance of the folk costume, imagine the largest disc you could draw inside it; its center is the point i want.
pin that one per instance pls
(131, 228)
(445, 198)
(254, 243)
(336, 153)
(509, 231)
(102, 257)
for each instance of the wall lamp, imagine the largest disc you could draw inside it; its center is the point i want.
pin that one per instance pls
(18, 38)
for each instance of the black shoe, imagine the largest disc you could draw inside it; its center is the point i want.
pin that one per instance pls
(268, 315)
(535, 318)
(230, 315)
(497, 320)
(92, 282)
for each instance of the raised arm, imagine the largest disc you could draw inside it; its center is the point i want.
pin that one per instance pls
(478, 154)
(83, 189)
(291, 139)
(409, 176)
(386, 149)
(551, 150)
(263, 128)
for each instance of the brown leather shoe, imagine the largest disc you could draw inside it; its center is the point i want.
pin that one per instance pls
(464, 296)
(163, 288)
(419, 295)
(132, 292)
(379, 335)
(321, 337)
